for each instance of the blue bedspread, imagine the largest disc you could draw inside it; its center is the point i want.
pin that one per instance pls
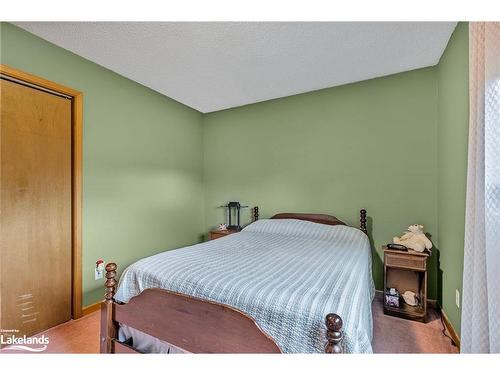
(286, 274)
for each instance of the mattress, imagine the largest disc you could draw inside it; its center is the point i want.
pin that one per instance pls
(287, 274)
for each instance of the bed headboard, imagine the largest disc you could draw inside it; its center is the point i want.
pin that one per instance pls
(315, 218)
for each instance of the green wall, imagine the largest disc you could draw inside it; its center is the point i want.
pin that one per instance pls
(370, 144)
(155, 170)
(395, 145)
(142, 190)
(452, 157)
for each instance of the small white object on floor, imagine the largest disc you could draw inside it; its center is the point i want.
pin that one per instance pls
(410, 298)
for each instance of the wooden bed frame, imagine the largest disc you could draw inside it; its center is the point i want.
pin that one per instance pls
(195, 325)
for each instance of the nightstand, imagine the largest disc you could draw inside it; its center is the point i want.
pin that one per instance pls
(220, 233)
(406, 270)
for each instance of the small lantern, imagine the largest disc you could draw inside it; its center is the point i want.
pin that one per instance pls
(233, 208)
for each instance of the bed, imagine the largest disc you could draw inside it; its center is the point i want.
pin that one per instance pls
(295, 283)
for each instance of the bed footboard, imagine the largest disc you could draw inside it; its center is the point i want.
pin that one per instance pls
(191, 324)
(334, 335)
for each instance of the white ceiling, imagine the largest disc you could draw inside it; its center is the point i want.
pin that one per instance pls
(211, 66)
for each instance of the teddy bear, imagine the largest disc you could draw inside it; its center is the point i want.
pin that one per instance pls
(414, 239)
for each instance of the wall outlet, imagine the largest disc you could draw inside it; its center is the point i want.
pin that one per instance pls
(457, 298)
(99, 274)
(99, 269)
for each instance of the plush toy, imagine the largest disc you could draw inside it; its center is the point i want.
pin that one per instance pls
(414, 239)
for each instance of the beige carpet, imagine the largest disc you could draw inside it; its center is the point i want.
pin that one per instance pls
(396, 335)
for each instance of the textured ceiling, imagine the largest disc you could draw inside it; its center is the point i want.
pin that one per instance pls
(211, 66)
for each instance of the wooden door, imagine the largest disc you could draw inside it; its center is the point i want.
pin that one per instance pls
(35, 202)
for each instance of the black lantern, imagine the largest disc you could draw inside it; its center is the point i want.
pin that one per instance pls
(233, 208)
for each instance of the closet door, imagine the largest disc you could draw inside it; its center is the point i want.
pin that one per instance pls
(35, 202)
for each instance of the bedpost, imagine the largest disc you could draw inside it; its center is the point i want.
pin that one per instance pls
(255, 213)
(334, 334)
(362, 221)
(108, 328)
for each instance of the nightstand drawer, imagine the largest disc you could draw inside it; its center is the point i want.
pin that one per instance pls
(405, 261)
(215, 235)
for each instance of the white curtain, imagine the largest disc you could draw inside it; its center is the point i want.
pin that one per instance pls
(481, 280)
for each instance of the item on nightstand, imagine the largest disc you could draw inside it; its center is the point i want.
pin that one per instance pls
(222, 227)
(410, 298)
(395, 246)
(392, 297)
(236, 206)
(414, 239)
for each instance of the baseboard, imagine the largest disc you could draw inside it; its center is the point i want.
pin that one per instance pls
(451, 330)
(91, 308)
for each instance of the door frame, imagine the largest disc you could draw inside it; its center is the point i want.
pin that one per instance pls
(76, 175)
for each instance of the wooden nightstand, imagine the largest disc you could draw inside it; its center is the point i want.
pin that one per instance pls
(406, 270)
(220, 233)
